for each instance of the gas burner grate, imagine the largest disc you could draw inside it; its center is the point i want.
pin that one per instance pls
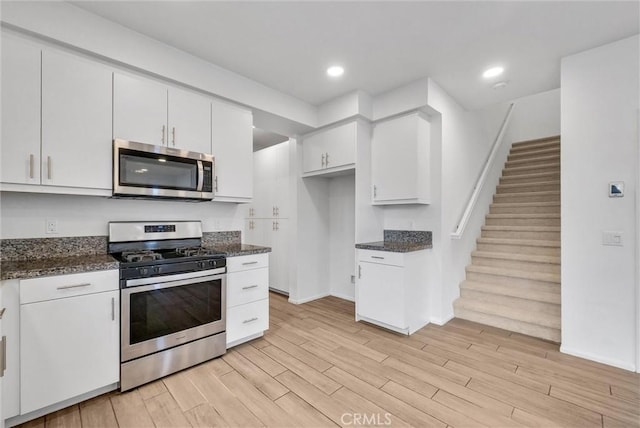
(193, 251)
(141, 256)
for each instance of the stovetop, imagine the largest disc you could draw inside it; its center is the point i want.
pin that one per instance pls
(161, 256)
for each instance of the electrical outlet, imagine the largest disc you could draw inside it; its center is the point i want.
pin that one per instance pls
(51, 225)
(612, 238)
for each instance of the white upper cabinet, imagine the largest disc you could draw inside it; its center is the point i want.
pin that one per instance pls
(232, 147)
(139, 110)
(189, 121)
(271, 181)
(20, 145)
(330, 150)
(400, 161)
(76, 122)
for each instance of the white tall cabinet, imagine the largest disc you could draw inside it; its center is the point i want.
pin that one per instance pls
(20, 145)
(267, 217)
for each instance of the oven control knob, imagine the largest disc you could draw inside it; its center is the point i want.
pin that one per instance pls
(212, 263)
(144, 271)
(156, 270)
(201, 265)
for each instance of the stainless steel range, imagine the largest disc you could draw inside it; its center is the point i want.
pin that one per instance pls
(173, 299)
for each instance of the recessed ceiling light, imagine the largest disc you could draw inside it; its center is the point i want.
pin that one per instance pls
(492, 72)
(335, 71)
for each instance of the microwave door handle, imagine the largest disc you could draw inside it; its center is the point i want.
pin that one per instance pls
(200, 176)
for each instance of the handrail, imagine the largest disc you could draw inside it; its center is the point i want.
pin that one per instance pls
(482, 178)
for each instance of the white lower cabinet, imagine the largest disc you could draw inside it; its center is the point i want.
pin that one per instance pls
(69, 337)
(391, 290)
(247, 298)
(10, 292)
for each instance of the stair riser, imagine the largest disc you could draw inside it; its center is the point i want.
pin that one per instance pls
(524, 170)
(526, 178)
(531, 305)
(519, 249)
(519, 313)
(522, 221)
(552, 151)
(543, 160)
(516, 264)
(540, 209)
(512, 325)
(521, 234)
(524, 197)
(509, 280)
(526, 188)
(518, 148)
(538, 294)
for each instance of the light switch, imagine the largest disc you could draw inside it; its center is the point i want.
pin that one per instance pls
(612, 238)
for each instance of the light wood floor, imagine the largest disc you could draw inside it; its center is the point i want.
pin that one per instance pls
(317, 367)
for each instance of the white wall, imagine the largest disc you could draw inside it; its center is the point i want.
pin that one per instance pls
(600, 92)
(23, 214)
(342, 233)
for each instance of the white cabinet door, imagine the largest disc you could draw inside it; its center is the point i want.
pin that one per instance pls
(76, 122)
(10, 403)
(400, 160)
(281, 180)
(20, 145)
(4, 356)
(277, 232)
(189, 121)
(255, 232)
(68, 347)
(381, 294)
(139, 110)
(232, 147)
(262, 184)
(330, 148)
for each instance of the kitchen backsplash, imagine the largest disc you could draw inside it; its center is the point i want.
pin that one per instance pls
(408, 236)
(43, 248)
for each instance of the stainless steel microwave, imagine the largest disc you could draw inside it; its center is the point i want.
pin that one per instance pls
(148, 171)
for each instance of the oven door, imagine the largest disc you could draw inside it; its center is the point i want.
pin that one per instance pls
(174, 310)
(145, 170)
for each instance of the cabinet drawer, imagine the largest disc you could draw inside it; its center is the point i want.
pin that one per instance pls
(382, 257)
(247, 319)
(60, 286)
(247, 286)
(254, 261)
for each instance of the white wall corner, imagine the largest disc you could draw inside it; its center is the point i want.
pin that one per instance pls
(597, 358)
(308, 299)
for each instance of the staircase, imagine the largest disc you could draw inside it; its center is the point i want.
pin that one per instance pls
(513, 281)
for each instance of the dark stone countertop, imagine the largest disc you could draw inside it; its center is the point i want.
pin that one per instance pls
(394, 246)
(24, 269)
(234, 250)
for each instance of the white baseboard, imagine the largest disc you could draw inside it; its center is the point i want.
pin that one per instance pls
(588, 356)
(307, 299)
(343, 297)
(442, 321)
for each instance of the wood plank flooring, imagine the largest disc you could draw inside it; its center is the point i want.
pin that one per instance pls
(317, 367)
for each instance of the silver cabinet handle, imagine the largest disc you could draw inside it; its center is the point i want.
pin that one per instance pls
(326, 159)
(377, 257)
(164, 128)
(273, 225)
(273, 211)
(249, 263)
(250, 287)
(3, 356)
(113, 309)
(359, 271)
(66, 287)
(2, 312)
(375, 191)
(173, 136)
(277, 225)
(250, 320)
(277, 211)
(31, 162)
(322, 161)
(49, 167)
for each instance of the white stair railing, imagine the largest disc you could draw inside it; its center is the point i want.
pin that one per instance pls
(482, 178)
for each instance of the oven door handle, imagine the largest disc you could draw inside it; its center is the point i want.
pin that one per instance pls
(170, 278)
(160, 285)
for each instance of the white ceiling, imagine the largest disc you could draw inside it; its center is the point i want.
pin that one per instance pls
(382, 45)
